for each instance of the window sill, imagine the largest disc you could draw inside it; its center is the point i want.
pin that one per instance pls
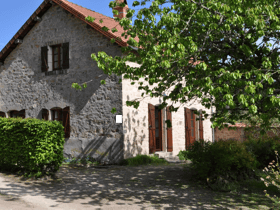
(56, 72)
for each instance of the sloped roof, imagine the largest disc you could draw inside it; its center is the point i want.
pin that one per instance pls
(79, 12)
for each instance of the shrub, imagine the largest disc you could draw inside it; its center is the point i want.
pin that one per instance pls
(273, 178)
(262, 148)
(183, 155)
(222, 160)
(32, 146)
(143, 160)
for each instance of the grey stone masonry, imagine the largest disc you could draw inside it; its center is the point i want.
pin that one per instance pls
(23, 85)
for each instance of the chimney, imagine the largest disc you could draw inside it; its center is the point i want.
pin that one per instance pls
(122, 10)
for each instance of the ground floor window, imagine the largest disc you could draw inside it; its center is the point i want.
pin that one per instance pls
(16, 114)
(57, 114)
(62, 115)
(45, 114)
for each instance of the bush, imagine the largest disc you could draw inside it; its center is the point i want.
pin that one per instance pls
(262, 148)
(272, 178)
(143, 160)
(221, 161)
(32, 146)
(183, 155)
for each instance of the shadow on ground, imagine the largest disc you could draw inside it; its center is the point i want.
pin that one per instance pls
(144, 187)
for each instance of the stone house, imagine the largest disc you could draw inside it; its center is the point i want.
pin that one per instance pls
(51, 51)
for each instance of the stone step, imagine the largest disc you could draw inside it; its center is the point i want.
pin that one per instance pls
(170, 157)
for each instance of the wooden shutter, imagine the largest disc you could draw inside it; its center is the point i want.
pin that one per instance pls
(200, 127)
(66, 121)
(187, 127)
(152, 129)
(169, 132)
(65, 62)
(44, 59)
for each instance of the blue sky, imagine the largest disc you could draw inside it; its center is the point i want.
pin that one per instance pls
(14, 13)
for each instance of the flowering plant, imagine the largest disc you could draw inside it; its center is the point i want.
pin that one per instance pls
(272, 178)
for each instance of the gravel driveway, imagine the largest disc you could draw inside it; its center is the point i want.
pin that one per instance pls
(120, 187)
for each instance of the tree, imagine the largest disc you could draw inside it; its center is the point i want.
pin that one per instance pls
(208, 50)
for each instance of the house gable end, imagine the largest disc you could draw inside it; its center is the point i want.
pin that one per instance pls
(76, 10)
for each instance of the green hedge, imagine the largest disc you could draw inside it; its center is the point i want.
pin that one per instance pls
(31, 145)
(223, 158)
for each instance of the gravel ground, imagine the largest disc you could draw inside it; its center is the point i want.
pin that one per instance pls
(120, 187)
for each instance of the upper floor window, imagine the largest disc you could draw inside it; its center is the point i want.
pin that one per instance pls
(55, 57)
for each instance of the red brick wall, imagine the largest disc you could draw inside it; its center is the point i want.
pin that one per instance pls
(227, 134)
(240, 134)
(256, 132)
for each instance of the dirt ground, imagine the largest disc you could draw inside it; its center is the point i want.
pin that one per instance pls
(120, 187)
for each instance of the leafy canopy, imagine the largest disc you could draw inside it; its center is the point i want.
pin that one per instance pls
(208, 50)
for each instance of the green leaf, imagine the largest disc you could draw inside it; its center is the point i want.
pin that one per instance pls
(104, 28)
(84, 85)
(115, 12)
(114, 30)
(90, 19)
(113, 111)
(135, 3)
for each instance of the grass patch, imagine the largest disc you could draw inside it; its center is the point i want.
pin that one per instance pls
(143, 160)
(258, 185)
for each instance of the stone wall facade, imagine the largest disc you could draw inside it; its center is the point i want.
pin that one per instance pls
(94, 131)
(135, 121)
